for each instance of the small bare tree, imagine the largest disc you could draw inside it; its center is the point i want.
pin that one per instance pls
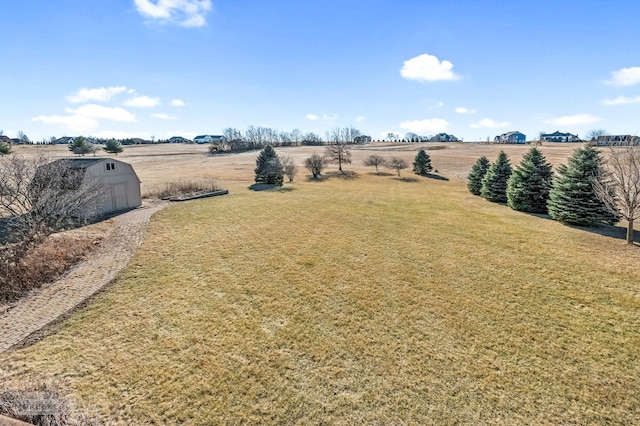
(620, 187)
(289, 167)
(41, 195)
(316, 163)
(397, 164)
(374, 161)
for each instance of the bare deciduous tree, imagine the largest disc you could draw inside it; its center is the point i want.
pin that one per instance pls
(23, 138)
(620, 186)
(374, 161)
(593, 135)
(316, 163)
(397, 164)
(289, 167)
(40, 195)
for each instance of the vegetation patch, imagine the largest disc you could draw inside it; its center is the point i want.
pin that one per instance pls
(365, 301)
(185, 188)
(28, 265)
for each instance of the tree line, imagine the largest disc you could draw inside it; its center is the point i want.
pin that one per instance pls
(588, 190)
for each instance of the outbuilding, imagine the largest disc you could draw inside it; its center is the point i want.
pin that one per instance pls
(121, 183)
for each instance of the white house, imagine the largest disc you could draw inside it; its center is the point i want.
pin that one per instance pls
(209, 138)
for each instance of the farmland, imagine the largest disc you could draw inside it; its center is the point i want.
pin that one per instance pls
(360, 300)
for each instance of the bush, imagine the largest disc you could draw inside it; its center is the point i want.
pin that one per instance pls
(41, 404)
(29, 264)
(184, 187)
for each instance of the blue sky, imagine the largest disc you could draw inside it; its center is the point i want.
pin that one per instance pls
(143, 68)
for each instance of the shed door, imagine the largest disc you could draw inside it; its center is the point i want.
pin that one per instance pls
(119, 196)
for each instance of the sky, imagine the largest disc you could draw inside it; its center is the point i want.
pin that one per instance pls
(472, 68)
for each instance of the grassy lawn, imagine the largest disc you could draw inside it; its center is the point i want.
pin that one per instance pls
(371, 300)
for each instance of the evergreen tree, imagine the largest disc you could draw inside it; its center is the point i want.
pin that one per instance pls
(494, 182)
(422, 163)
(268, 167)
(478, 171)
(81, 146)
(529, 185)
(573, 200)
(5, 148)
(113, 146)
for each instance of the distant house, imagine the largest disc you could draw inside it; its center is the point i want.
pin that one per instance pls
(122, 185)
(511, 137)
(362, 139)
(443, 137)
(178, 139)
(617, 140)
(209, 138)
(558, 136)
(5, 139)
(65, 140)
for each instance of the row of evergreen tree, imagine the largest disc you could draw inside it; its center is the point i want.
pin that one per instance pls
(567, 196)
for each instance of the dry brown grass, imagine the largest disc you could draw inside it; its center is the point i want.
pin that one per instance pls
(370, 300)
(184, 187)
(29, 265)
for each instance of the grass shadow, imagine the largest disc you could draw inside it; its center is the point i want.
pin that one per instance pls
(380, 174)
(618, 232)
(406, 179)
(264, 187)
(342, 175)
(436, 177)
(614, 231)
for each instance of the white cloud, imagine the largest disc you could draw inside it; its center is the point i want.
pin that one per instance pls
(621, 100)
(463, 110)
(86, 117)
(108, 113)
(360, 118)
(625, 77)
(187, 13)
(142, 102)
(75, 122)
(569, 120)
(427, 67)
(177, 102)
(163, 116)
(487, 123)
(435, 125)
(100, 94)
(324, 117)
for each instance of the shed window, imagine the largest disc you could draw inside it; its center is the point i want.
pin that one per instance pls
(111, 166)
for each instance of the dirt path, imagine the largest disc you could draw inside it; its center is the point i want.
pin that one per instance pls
(45, 306)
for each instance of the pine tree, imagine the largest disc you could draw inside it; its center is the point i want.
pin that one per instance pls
(478, 171)
(268, 167)
(81, 146)
(422, 163)
(5, 148)
(494, 182)
(529, 185)
(573, 200)
(113, 146)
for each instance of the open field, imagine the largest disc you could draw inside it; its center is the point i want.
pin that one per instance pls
(370, 300)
